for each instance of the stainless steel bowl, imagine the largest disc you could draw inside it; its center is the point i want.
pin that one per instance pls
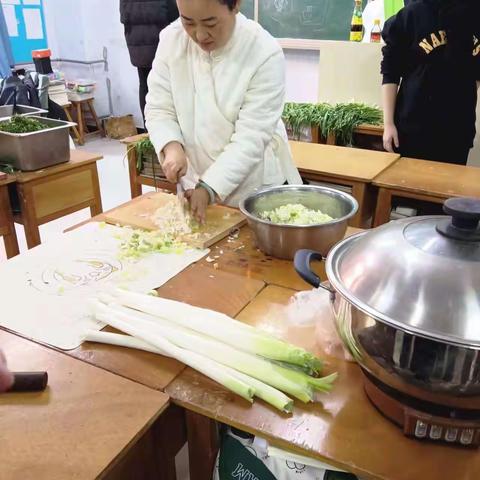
(282, 241)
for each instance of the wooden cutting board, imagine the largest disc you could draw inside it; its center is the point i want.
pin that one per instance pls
(220, 220)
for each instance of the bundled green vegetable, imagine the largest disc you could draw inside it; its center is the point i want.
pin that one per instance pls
(339, 120)
(301, 115)
(295, 214)
(345, 117)
(145, 151)
(18, 124)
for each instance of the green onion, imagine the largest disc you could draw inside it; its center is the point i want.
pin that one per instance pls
(190, 358)
(222, 328)
(339, 120)
(262, 390)
(256, 367)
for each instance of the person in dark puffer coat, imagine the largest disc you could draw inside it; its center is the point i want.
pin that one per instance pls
(143, 21)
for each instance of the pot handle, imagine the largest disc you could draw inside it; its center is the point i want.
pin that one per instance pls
(302, 261)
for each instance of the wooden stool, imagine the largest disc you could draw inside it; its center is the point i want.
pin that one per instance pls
(83, 109)
(68, 113)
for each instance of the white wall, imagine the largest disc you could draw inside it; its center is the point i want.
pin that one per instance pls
(80, 29)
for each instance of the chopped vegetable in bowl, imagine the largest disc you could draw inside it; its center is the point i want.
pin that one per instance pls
(295, 214)
(19, 124)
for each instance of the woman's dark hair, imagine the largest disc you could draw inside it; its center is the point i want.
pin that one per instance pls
(231, 4)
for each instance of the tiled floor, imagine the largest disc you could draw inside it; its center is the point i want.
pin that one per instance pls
(115, 190)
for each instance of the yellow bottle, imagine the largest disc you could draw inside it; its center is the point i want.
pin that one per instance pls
(356, 29)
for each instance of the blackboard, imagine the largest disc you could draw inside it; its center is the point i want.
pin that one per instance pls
(248, 8)
(307, 19)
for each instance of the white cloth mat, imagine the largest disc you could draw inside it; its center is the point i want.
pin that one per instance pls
(44, 292)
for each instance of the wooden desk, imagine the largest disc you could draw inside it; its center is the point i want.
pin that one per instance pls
(7, 226)
(54, 192)
(344, 430)
(350, 167)
(88, 423)
(423, 180)
(242, 257)
(197, 285)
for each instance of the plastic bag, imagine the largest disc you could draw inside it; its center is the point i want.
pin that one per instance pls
(244, 457)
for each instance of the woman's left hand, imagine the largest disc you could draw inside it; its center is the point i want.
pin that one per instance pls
(199, 200)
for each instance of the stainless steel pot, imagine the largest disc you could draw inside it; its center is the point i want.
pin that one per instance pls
(282, 241)
(406, 299)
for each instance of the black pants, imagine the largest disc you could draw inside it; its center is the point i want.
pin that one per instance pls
(143, 87)
(438, 148)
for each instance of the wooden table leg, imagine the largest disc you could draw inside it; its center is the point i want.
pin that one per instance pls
(93, 113)
(203, 445)
(153, 455)
(29, 220)
(96, 208)
(80, 123)
(384, 207)
(366, 196)
(6, 221)
(135, 187)
(359, 192)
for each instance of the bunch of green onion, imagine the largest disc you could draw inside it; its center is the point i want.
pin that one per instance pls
(243, 359)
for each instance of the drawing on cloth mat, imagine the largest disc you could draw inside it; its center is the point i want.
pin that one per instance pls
(72, 274)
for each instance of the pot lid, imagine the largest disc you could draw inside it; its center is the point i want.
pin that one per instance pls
(421, 275)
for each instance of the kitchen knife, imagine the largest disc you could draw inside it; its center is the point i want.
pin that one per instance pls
(181, 198)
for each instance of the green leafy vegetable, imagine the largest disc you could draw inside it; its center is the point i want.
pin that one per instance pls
(339, 120)
(18, 124)
(145, 151)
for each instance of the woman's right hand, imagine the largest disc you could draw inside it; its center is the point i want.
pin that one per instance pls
(175, 162)
(390, 138)
(6, 377)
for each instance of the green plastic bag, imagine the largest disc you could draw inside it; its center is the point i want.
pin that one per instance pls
(242, 457)
(392, 7)
(238, 463)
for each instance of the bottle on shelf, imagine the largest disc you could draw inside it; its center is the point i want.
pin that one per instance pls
(356, 29)
(376, 33)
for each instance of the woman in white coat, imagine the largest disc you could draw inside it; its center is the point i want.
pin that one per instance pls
(216, 96)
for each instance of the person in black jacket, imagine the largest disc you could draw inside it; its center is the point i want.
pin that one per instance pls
(433, 52)
(143, 21)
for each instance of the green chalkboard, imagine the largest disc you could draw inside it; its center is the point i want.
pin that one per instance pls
(248, 8)
(307, 19)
